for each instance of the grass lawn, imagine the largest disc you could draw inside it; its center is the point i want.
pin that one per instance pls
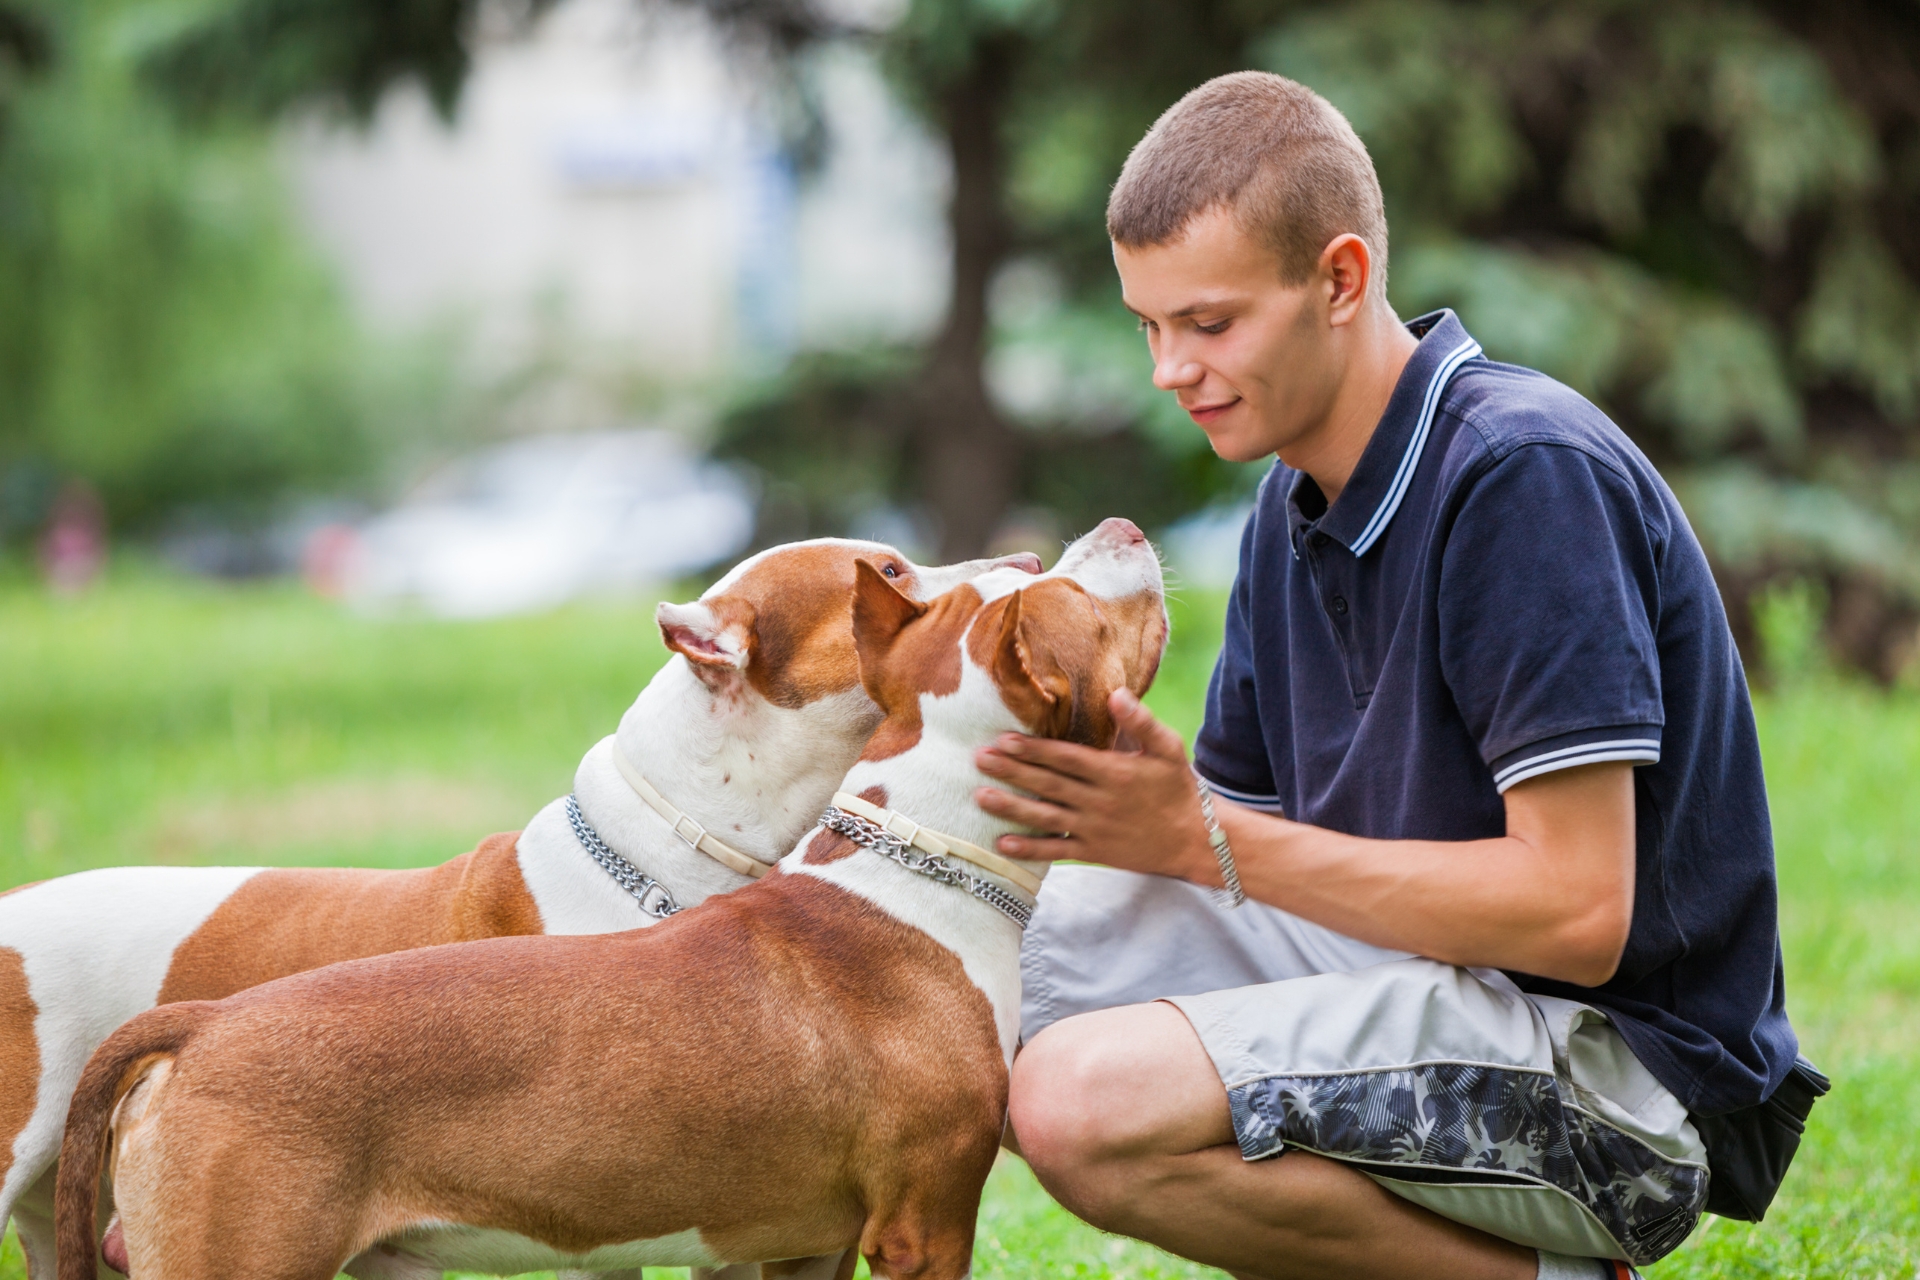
(155, 720)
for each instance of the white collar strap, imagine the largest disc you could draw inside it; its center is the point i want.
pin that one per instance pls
(939, 845)
(683, 824)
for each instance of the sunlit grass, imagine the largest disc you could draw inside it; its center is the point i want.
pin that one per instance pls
(157, 720)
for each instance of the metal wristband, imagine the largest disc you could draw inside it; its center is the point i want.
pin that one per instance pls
(1231, 894)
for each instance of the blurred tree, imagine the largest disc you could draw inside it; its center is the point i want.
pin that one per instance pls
(165, 333)
(270, 54)
(24, 49)
(23, 40)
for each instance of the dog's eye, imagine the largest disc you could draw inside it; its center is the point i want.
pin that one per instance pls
(890, 571)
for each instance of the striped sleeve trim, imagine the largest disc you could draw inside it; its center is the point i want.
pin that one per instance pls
(1533, 764)
(1249, 799)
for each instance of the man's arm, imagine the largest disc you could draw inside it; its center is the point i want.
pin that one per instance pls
(1553, 897)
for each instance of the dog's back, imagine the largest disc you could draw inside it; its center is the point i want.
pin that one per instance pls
(641, 1053)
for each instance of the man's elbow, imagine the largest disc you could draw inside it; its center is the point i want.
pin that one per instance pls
(1590, 945)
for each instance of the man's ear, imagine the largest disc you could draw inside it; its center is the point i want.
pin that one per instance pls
(880, 613)
(1031, 684)
(714, 647)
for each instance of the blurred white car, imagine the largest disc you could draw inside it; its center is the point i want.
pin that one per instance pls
(533, 523)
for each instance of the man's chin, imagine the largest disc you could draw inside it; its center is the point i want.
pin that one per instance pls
(1233, 446)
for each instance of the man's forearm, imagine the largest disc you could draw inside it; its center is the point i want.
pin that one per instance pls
(1553, 896)
(1517, 906)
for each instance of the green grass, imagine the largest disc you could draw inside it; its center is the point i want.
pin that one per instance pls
(155, 720)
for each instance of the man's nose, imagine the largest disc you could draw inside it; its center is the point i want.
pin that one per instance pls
(1172, 372)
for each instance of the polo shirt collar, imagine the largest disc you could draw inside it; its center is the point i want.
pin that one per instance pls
(1374, 491)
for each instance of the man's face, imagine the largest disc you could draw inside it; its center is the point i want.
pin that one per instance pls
(1253, 361)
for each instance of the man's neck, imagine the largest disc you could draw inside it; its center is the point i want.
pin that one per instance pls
(1379, 348)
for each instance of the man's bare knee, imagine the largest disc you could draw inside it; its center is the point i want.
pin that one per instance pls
(1099, 1094)
(1053, 1110)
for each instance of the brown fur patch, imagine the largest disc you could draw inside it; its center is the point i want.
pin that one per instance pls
(904, 654)
(822, 1006)
(801, 646)
(830, 846)
(289, 920)
(1052, 649)
(19, 1053)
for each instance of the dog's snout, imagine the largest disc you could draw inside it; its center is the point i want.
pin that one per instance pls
(1120, 529)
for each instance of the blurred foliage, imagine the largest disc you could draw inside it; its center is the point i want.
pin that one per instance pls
(165, 332)
(269, 55)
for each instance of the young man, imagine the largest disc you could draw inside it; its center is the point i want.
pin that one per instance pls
(1479, 746)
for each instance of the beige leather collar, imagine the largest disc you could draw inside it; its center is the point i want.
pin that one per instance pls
(939, 845)
(683, 824)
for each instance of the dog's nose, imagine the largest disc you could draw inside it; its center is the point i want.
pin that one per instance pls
(1025, 561)
(1122, 530)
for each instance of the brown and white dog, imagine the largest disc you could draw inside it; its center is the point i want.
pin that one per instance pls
(815, 1062)
(748, 726)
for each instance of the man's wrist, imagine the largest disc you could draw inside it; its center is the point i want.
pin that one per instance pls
(1200, 865)
(1230, 893)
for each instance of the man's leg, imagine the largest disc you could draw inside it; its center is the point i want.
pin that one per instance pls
(1123, 1118)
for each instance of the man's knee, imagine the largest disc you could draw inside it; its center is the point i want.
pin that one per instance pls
(1054, 1106)
(1100, 1093)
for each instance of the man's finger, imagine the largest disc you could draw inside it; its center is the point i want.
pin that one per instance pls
(1083, 763)
(1037, 814)
(1134, 719)
(1045, 783)
(1039, 848)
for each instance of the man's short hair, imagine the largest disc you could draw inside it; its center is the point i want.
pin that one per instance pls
(1278, 155)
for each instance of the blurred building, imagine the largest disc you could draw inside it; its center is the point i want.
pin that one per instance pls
(615, 176)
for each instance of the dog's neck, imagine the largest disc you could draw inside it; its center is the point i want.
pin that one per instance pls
(933, 783)
(755, 775)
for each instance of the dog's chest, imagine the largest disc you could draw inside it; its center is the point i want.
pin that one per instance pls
(986, 945)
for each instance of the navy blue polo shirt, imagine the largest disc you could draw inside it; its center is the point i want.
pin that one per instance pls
(1504, 588)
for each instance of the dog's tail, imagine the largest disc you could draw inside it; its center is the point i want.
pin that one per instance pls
(115, 1067)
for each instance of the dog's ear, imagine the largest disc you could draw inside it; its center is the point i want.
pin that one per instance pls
(716, 644)
(880, 612)
(1031, 682)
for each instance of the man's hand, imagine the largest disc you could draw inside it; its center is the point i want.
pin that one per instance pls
(1133, 808)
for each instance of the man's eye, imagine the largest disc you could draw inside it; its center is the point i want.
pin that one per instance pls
(1218, 326)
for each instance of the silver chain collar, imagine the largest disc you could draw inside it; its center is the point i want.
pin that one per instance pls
(869, 835)
(654, 898)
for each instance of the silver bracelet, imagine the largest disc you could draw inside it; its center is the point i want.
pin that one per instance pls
(1231, 895)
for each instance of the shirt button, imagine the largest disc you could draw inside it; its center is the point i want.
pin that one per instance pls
(1339, 605)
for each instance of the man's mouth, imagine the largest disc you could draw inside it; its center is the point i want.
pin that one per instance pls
(1206, 414)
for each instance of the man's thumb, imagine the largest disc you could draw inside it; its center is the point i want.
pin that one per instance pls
(1140, 731)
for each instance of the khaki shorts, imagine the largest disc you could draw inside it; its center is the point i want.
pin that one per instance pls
(1525, 1116)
